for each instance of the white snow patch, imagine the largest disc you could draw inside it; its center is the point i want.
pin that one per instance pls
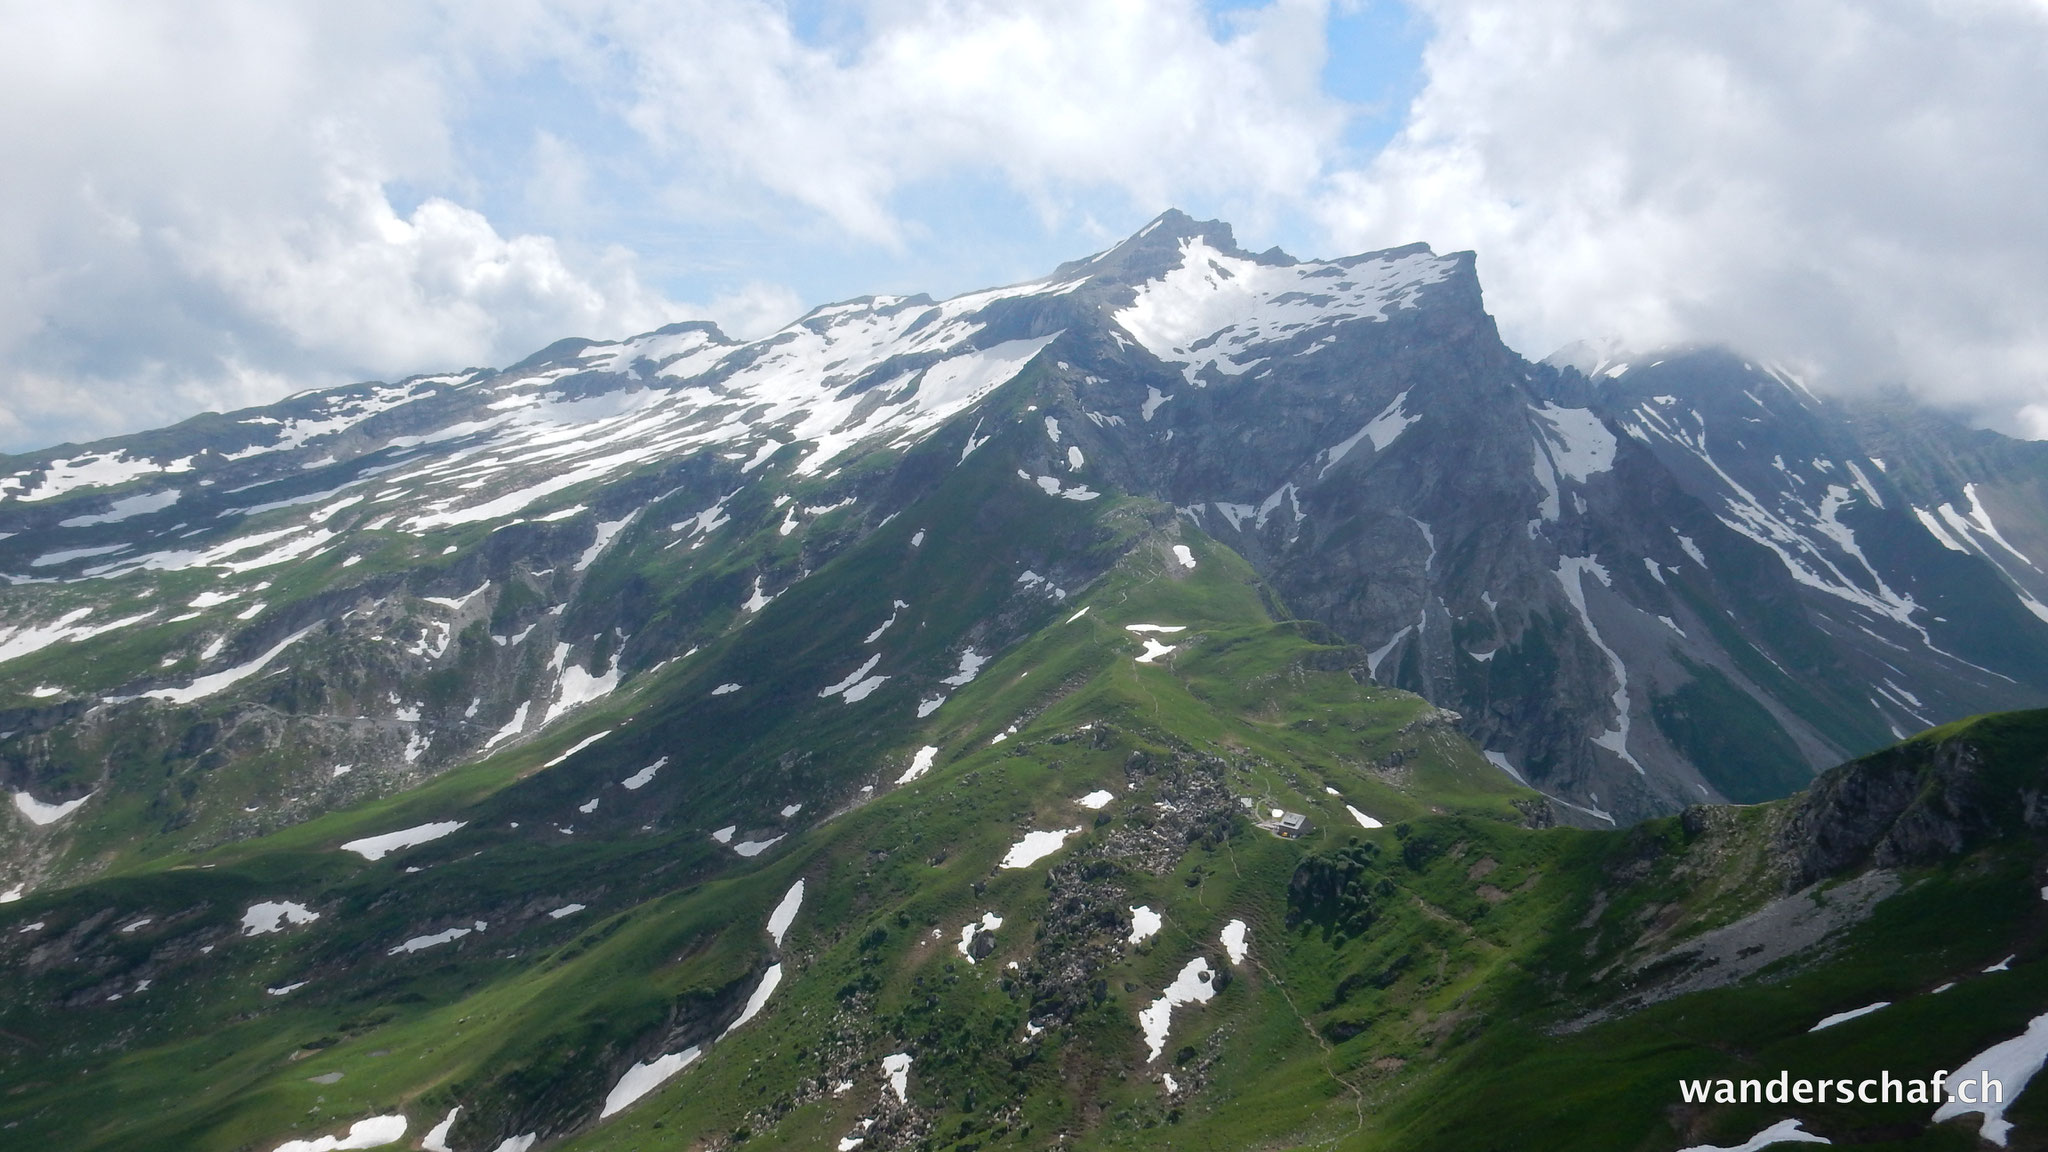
(208, 685)
(897, 1068)
(895, 607)
(1154, 650)
(927, 707)
(645, 1077)
(1186, 557)
(852, 678)
(725, 689)
(1153, 399)
(378, 847)
(724, 835)
(125, 507)
(1364, 821)
(770, 980)
(1571, 575)
(863, 690)
(785, 912)
(1097, 799)
(1145, 923)
(1035, 846)
(989, 922)
(1380, 432)
(1234, 940)
(578, 746)
(512, 727)
(565, 910)
(1164, 629)
(1192, 986)
(578, 687)
(436, 1139)
(40, 813)
(374, 1132)
(752, 848)
(643, 777)
(1691, 549)
(920, 764)
(421, 943)
(2012, 1063)
(272, 916)
(1851, 1014)
(970, 667)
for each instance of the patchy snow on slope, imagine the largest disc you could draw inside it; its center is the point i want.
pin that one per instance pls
(752, 848)
(2012, 1063)
(125, 507)
(1578, 444)
(770, 980)
(221, 681)
(1223, 313)
(273, 916)
(1379, 433)
(1182, 553)
(378, 847)
(1235, 943)
(1374, 657)
(1571, 576)
(724, 835)
(643, 777)
(863, 690)
(1782, 1132)
(375, 1132)
(920, 764)
(512, 727)
(565, 910)
(1154, 650)
(578, 687)
(1145, 923)
(1153, 399)
(436, 1139)
(1194, 985)
(725, 689)
(1035, 846)
(970, 667)
(897, 1068)
(1096, 800)
(1364, 821)
(852, 678)
(19, 641)
(896, 607)
(422, 943)
(645, 1077)
(1853, 1013)
(785, 912)
(41, 814)
(989, 922)
(578, 746)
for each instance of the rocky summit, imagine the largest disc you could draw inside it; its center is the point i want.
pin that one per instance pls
(1198, 699)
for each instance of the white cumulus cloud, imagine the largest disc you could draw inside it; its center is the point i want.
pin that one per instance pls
(1850, 187)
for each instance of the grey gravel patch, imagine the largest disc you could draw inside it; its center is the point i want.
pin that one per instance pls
(1786, 927)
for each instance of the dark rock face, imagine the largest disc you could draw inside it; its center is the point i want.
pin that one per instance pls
(1913, 804)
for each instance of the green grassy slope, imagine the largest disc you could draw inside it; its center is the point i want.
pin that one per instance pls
(1415, 985)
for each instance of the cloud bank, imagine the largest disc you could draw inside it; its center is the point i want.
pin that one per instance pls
(1853, 188)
